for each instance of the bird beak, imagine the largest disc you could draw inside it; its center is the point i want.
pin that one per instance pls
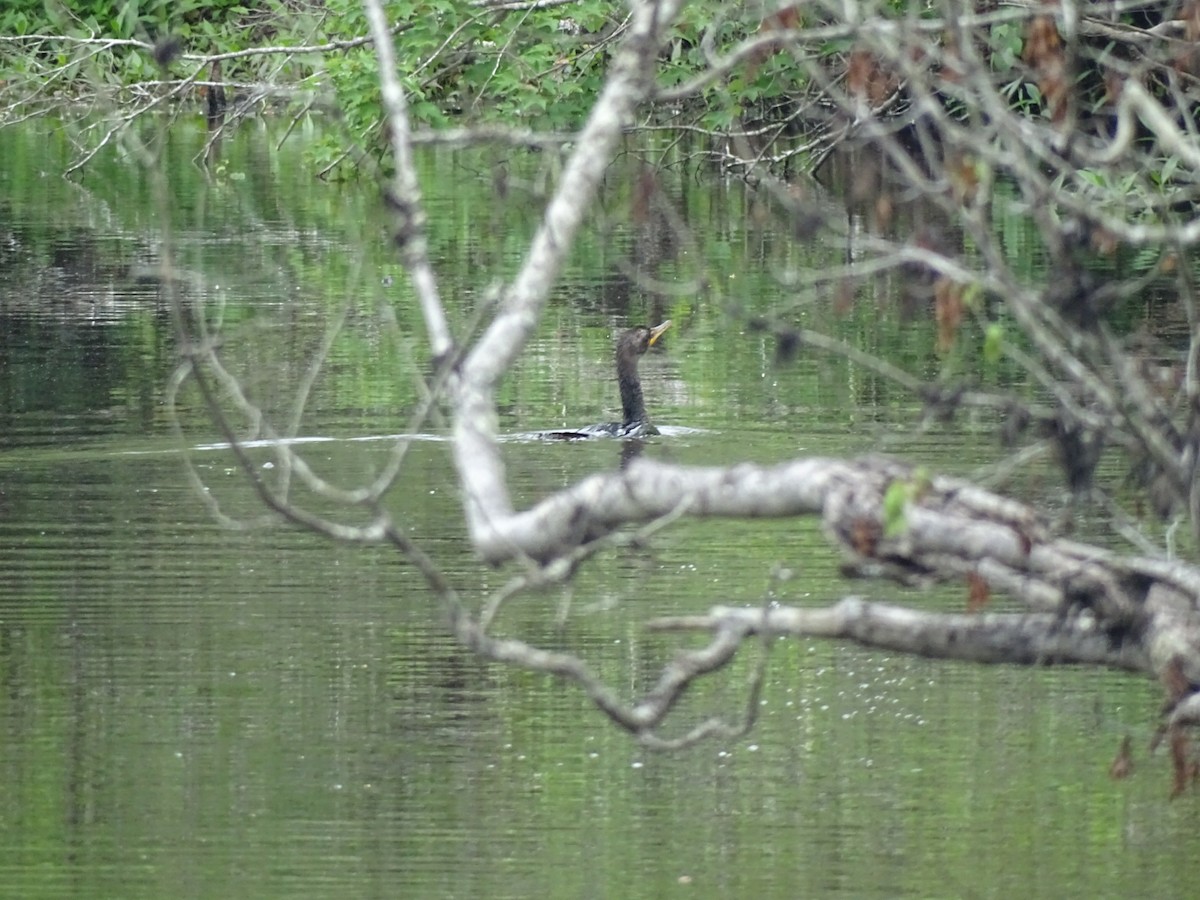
(656, 332)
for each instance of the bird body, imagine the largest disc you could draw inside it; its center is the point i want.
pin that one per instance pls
(631, 346)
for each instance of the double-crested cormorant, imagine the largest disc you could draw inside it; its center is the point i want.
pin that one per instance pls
(631, 345)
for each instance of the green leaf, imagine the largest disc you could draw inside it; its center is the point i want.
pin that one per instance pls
(993, 343)
(972, 297)
(1168, 169)
(895, 505)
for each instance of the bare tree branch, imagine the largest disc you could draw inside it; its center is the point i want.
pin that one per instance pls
(1037, 639)
(405, 197)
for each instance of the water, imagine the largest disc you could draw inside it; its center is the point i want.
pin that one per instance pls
(196, 712)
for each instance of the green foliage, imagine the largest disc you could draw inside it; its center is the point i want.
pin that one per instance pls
(895, 505)
(540, 68)
(202, 26)
(1005, 42)
(462, 63)
(993, 343)
(897, 498)
(459, 63)
(1139, 194)
(143, 19)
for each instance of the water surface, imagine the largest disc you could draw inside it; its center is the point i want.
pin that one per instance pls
(196, 712)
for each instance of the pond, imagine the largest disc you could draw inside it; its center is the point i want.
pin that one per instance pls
(192, 711)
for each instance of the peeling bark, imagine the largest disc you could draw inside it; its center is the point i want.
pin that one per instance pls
(1017, 639)
(1087, 604)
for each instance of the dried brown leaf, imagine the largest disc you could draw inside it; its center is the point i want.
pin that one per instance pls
(784, 19)
(884, 211)
(964, 178)
(1104, 242)
(1042, 42)
(979, 593)
(868, 79)
(1181, 765)
(1122, 764)
(1043, 52)
(948, 311)
(865, 536)
(843, 297)
(1175, 680)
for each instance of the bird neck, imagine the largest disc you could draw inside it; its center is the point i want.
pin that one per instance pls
(633, 407)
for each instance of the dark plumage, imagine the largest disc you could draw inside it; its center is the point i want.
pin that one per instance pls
(631, 346)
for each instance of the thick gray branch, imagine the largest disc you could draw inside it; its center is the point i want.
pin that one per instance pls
(1033, 639)
(943, 530)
